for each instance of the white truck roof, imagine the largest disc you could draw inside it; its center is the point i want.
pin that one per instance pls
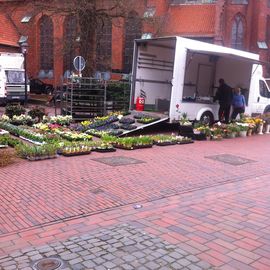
(203, 47)
(11, 60)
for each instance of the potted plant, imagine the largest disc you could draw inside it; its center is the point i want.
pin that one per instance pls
(185, 126)
(243, 128)
(12, 110)
(163, 140)
(217, 133)
(266, 118)
(183, 140)
(37, 113)
(128, 127)
(259, 123)
(130, 143)
(147, 119)
(126, 120)
(233, 129)
(103, 147)
(75, 150)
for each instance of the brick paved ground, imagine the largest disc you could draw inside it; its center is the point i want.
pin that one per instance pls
(225, 227)
(71, 187)
(215, 211)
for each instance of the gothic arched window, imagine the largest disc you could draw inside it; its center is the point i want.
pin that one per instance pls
(133, 30)
(46, 44)
(238, 33)
(70, 35)
(104, 45)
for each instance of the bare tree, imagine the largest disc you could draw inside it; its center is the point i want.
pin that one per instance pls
(90, 17)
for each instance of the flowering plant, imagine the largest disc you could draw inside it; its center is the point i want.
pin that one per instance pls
(266, 118)
(242, 126)
(21, 119)
(216, 131)
(184, 120)
(59, 119)
(205, 129)
(42, 126)
(4, 118)
(233, 127)
(259, 121)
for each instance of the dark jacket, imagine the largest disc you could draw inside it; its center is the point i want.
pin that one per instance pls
(224, 94)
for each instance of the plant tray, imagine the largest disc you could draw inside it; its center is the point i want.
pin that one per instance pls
(187, 142)
(76, 154)
(146, 122)
(133, 147)
(34, 142)
(41, 158)
(142, 146)
(3, 132)
(123, 147)
(3, 145)
(199, 137)
(165, 143)
(104, 150)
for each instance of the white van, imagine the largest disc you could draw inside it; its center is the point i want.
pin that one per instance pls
(12, 86)
(178, 75)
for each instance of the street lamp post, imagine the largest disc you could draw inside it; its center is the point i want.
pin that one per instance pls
(24, 49)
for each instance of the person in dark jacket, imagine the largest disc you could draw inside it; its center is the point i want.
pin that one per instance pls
(238, 103)
(224, 95)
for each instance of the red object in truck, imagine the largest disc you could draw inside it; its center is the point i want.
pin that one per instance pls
(140, 104)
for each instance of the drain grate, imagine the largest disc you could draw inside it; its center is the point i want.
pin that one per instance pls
(118, 161)
(231, 159)
(97, 190)
(48, 264)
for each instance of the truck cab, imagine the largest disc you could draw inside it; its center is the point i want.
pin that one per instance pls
(12, 78)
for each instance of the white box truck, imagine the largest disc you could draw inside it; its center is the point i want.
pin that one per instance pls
(178, 75)
(12, 86)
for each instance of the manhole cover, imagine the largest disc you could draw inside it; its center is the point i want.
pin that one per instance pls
(97, 190)
(118, 161)
(231, 159)
(48, 264)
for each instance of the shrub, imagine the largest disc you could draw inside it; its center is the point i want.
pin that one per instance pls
(37, 112)
(8, 140)
(6, 157)
(26, 151)
(12, 110)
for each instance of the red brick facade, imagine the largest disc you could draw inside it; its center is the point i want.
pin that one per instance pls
(212, 22)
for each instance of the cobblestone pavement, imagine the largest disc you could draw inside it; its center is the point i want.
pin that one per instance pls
(118, 247)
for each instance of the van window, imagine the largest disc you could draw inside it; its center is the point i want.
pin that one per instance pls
(14, 77)
(264, 90)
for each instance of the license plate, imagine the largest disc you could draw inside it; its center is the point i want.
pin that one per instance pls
(15, 97)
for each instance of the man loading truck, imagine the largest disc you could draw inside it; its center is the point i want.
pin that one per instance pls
(224, 95)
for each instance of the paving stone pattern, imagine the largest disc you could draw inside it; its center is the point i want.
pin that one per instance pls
(231, 159)
(120, 247)
(72, 187)
(118, 161)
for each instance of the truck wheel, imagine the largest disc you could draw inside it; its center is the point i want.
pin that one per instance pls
(207, 118)
(267, 109)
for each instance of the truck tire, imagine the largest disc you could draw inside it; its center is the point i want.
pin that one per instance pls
(267, 109)
(207, 118)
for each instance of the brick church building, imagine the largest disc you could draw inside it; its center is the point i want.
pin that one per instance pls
(241, 24)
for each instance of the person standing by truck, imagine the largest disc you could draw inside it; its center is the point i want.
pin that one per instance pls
(238, 103)
(224, 95)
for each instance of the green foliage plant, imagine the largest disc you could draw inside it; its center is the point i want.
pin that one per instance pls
(12, 110)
